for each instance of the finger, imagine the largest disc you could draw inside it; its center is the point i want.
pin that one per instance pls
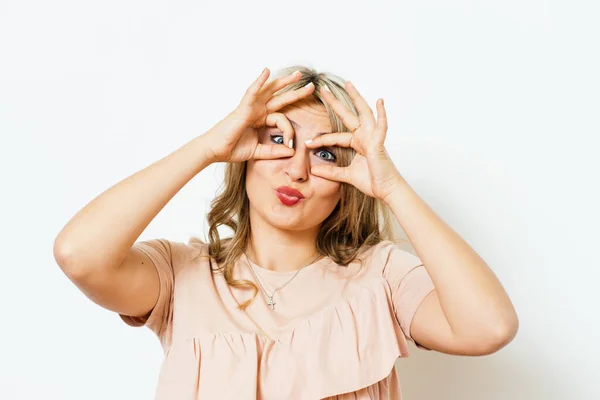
(338, 174)
(281, 100)
(350, 120)
(343, 139)
(361, 104)
(280, 121)
(382, 124)
(255, 87)
(271, 151)
(275, 85)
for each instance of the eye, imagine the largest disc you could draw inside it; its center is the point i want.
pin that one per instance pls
(333, 159)
(322, 149)
(281, 136)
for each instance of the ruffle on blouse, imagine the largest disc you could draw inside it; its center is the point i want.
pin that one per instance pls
(348, 346)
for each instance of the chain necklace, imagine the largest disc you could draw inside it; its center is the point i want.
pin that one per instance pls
(271, 303)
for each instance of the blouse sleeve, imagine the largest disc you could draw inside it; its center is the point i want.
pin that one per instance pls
(159, 319)
(409, 282)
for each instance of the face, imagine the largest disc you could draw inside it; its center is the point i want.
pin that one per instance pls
(264, 176)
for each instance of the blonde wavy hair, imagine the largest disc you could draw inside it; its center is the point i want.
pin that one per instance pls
(357, 222)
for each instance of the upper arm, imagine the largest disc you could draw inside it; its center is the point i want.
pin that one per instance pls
(409, 283)
(140, 289)
(417, 306)
(131, 288)
(430, 328)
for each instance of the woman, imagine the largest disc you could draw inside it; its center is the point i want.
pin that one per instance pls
(310, 297)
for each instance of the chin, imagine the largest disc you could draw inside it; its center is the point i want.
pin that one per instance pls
(285, 218)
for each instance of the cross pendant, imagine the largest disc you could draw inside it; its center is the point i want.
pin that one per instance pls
(271, 303)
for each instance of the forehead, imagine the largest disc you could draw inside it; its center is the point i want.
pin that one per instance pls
(309, 116)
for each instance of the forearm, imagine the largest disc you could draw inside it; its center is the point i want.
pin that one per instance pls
(100, 235)
(471, 296)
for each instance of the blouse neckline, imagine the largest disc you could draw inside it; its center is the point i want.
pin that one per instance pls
(265, 271)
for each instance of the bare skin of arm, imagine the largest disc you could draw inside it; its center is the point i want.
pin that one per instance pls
(94, 249)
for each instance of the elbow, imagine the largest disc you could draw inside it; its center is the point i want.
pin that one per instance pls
(501, 336)
(509, 330)
(60, 253)
(64, 259)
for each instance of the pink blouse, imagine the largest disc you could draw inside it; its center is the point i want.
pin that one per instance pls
(335, 332)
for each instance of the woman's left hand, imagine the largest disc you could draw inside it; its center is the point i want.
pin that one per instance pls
(371, 170)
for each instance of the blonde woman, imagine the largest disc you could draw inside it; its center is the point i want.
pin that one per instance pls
(310, 297)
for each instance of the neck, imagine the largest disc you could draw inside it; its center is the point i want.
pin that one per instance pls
(282, 255)
(277, 249)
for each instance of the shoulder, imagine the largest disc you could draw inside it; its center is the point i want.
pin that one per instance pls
(378, 253)
(197, 255)
(369, 261)
(196, 249)
(387, 254)
(174, 253)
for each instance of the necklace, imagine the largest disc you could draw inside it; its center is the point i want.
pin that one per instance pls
(271, 303)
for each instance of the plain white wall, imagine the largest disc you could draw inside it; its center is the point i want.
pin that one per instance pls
(493, 119)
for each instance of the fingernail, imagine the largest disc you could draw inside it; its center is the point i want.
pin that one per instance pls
(291, 143)
(326, 88)
(307, 141)
(296, 72)
(308, 85)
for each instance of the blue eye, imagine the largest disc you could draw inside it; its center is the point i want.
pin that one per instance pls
(322, 149)
(327, 151)
(272, 136)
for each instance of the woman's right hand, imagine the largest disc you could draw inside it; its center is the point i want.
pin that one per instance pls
(235, 138)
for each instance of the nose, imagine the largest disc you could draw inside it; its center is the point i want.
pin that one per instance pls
(298, 166)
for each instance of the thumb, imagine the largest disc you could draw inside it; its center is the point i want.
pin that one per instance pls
(280, 121)
(330, 172)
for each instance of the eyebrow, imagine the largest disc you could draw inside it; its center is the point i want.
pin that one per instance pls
(297, 126)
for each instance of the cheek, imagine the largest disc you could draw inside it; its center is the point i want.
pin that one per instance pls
(327, 190)
(259, 170)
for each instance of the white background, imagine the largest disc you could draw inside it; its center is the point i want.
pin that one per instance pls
(493, 111)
